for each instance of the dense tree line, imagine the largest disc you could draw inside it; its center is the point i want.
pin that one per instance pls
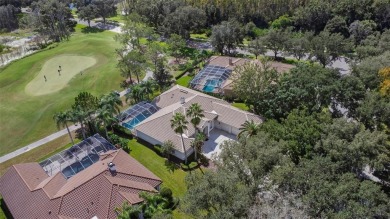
(8, 18)
(51, 19)
(313, 15)
(301, 167)
(89, 9)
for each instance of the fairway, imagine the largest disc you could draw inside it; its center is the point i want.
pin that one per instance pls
(52, 78)
(27, 105)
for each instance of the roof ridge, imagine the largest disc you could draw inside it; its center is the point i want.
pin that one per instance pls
(85, 182)
(148, 185)
(235, 108)
(49, 179)
(20, 175)
(147, 121)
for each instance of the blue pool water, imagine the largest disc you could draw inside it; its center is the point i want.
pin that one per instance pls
(80, 165)
(210, 85)
(135, 121)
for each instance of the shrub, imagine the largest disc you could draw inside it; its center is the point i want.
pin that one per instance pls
(120, 142)
(166, 193)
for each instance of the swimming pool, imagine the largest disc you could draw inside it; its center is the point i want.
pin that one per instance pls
(210, 85)
(136, 120)
(78, 166)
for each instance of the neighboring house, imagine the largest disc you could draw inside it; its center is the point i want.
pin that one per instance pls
(215, 77)
(220, 117)
(89, 180)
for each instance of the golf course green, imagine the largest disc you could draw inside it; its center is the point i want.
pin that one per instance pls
(28, 103)
(57, 72)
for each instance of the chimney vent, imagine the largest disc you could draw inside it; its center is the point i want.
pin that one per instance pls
(182, 100)
(112, 168)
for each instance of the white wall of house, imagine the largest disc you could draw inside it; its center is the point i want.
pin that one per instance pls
(180, 155)
(147, 138)
(227, 128)
(153, 141)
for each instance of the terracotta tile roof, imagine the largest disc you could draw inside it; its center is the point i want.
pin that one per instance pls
(131, 197)
(130, 184)
(91, 192)
(214, 108)
(31, 173)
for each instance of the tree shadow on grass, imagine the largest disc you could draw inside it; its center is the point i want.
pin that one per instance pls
(91, 30)
(171, 166)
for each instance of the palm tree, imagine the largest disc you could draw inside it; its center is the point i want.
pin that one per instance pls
(179, 125)
(128, 211)
(248, 129)
(136, 94)
(154, 203)
(167, 148)
(79, 115)
(62, 119)
(198, 143)
(111, 101)
(106, 117)
(195, 112)
(148, 87)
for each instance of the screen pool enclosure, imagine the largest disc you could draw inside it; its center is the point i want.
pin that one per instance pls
(210, 78)
(78, 157)
(134, 115)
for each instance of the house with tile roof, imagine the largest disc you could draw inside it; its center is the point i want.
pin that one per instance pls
(216, 76)
(96, 188)
(221, 121)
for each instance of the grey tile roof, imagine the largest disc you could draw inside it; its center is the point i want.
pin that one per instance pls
(158, 126)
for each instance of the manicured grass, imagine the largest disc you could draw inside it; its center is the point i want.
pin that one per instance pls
(175, 180)
(184, 81)
(241, 106)
(52, 79)
(24, 118)
(147, 157)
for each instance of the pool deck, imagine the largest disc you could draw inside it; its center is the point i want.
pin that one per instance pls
(212, 147)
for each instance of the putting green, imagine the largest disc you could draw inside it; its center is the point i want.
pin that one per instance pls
(71, 65)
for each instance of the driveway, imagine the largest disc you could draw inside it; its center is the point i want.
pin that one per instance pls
(212, 147)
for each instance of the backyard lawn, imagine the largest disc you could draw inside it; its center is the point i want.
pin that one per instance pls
(27, 107)
(184, 81)
(242, 106)
(173, 180)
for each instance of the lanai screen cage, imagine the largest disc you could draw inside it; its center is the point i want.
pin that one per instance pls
(78, 157)
(134, 115)
(210, 78)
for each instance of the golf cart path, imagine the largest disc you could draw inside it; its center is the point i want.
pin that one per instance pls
(37, 144)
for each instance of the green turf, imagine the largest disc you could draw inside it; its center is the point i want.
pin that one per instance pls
(242, 106)
(184, 81)
(173, 180)
(56, 78)
(24, 118)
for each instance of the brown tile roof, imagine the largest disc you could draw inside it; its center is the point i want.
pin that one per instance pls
(227, 62)
(91, 192)
(31, 173)
(131, 197)
(158, 125)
